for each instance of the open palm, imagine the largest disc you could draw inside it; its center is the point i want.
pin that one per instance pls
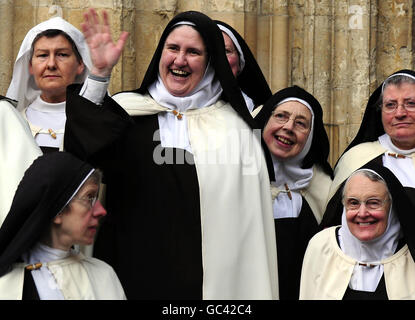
(104, 52)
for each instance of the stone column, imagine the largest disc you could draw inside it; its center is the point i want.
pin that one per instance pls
(6, 44)
(263, 35)
(280, 46)
(251, 25)
(151, 18)
(128, 21)
(337, 117)
(352, 62)
(394, 37)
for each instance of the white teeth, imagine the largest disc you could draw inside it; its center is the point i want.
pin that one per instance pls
(283, 140)
(179, 72)
(365, 223)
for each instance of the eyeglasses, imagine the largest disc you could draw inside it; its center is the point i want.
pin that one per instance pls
(88, 201)
(300, 123)
(230, 51)
(372, 204)
(391, 106)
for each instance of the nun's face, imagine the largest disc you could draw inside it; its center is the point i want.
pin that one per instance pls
(79, 222)
(287, 130)
(54, 66)
(400, 123)
(231, 54)
(364, 222)
(183, 61)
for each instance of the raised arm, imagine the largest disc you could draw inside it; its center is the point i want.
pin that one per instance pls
(104, 52)
(95, 121)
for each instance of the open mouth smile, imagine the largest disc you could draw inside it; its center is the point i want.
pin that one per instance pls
(180, 73)
(364, 224)
(284, 140)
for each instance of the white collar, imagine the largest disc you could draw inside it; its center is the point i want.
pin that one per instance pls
(43, 253)
(372, 252)
(386, 142)
(43, 106)
(206, 93)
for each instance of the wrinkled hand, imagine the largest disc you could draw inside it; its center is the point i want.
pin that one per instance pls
(104, 53)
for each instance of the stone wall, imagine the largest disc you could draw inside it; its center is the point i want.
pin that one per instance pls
(338, 50)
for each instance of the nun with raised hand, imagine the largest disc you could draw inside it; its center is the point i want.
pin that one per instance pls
(190, 213)
(245, 68)
(55, 208)
(17, 152)
(370, 255)
(386, 136)
(52, 56)
(293, 130)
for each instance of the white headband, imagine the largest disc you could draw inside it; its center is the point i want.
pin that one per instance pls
(298, 100)
(184, 23)
(395, 75)
(307, 145)
(77, 189)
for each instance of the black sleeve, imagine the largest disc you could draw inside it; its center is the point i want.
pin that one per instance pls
(91, 130)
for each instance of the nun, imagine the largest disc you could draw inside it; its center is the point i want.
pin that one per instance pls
(386, 136)
(55, 208)
(245, 68)
(53, 55)
(293, 130)
(370, 255)
(190, 213)
(18, 150)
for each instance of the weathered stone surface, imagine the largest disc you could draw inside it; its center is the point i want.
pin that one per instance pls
(338, 50)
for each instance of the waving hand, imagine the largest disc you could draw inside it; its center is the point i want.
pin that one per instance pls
(104, 52)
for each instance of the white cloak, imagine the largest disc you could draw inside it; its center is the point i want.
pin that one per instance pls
(18, 151)
(238, 238)
(327, 270)
(78, 278)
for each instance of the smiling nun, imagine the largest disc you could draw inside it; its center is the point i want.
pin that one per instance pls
(386, 136)
(370, 255)
(190, 213)
(293, 130)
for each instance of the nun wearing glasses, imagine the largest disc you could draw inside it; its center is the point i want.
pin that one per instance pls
(293, 130)
(386, 136)
(55, 208)
(370, 255)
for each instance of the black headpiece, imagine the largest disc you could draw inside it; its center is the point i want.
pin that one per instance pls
(46, 187)
(371, 127)
(402, 205)
(320, 146)
(251, 80)
(214, 43)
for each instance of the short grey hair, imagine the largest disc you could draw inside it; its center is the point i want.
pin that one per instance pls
(371, 175)
(395, 80)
